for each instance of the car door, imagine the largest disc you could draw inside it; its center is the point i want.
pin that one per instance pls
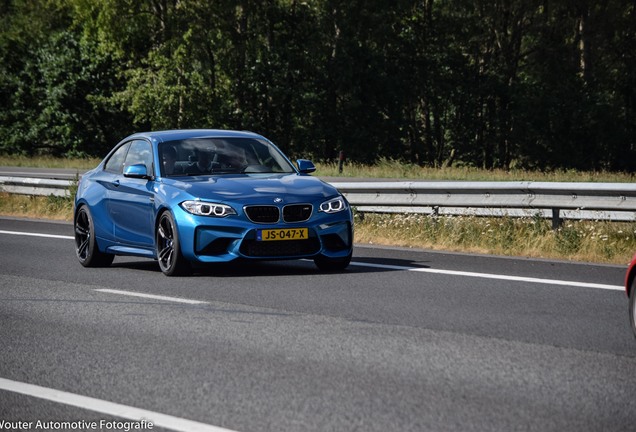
(131, 200)
(107, 180)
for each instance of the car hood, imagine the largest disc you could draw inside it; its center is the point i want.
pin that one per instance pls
(254, 188)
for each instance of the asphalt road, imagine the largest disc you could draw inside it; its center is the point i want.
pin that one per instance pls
(404, 340)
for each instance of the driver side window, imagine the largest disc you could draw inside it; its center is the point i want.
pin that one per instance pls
(115, 163)
(140, 153)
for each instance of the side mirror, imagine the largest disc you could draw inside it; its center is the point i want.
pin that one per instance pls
(305, 166)
(136, 171)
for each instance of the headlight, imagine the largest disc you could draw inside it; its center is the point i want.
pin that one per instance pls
(334, 205)
(201, 208)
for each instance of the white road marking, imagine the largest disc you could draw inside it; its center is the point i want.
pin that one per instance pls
(492, 276)
(151, 296)
(37, 235)
(109, 408)
(415, 269)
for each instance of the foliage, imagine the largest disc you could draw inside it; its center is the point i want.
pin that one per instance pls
(508, 85)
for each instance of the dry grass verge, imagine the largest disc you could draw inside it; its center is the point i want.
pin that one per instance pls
(588, 241)
(392, 169)
(36, 207)
(49, 162)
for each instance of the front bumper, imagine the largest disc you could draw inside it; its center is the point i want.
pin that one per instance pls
(211, 240)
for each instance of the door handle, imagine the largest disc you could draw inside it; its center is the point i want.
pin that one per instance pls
(115, 183)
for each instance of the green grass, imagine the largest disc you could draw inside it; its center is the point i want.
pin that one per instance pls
(588, 241)
(391, 169)
(49, 162)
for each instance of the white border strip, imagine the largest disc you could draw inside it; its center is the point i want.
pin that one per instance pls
(151, 296)
(492, 276)
(109, 408)
(37, 235)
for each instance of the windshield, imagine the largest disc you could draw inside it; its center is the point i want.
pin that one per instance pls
(215, 156)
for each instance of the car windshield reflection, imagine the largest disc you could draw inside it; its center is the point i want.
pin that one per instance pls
(219, 156)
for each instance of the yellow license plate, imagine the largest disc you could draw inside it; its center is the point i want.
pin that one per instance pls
(282, 234)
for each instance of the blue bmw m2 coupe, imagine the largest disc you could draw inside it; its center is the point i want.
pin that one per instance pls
(190, 197)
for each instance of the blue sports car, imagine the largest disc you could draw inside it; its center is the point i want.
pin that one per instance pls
(191, 197)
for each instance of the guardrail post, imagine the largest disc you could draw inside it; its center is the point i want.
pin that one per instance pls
(556, 220)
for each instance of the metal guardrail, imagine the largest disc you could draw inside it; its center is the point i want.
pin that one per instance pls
(593, 196)
(35, 186)
(600, 201)
(596, 201)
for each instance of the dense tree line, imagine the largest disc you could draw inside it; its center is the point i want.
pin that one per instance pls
(489, 83)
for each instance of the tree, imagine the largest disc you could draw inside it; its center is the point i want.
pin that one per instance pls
(489, 83)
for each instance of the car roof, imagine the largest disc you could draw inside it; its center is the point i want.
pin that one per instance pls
(180, 134)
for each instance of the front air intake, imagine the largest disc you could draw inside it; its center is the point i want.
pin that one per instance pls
(297, 212)
(263, 214)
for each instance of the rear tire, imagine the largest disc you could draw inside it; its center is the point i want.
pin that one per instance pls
(171, 261)
(332, 264)
(632, 307)
(86, 248)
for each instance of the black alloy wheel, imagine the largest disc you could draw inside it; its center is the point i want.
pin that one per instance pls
(171, 261)
(86, 248)
(632, 307)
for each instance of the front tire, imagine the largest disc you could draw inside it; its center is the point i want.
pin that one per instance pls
(332, 264)
(86, 248)
(171, 261)
(632, 307)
